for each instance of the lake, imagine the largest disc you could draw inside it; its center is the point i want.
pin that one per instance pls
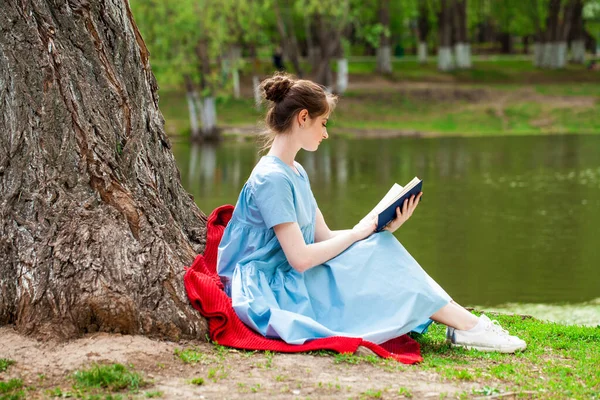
(503, 219)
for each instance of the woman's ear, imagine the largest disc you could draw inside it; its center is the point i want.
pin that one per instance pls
(302, 117)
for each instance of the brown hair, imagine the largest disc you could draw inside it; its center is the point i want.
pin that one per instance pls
(288, 96)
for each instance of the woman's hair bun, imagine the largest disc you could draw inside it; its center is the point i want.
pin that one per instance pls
(277, 87)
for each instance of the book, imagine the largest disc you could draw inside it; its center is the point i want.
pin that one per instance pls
(385, 210)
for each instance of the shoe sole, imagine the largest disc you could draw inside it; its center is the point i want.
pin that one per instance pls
(511, 349)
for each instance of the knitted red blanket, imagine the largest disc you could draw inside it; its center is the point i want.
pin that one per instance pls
(205, 291)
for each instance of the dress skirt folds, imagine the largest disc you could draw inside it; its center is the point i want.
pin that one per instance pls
(374, 289)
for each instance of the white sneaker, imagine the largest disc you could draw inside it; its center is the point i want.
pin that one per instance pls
(489, 337)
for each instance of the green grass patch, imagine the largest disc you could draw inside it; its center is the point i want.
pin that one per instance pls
(193, 356)
(197, 381)
(5, 363)
(12, 390)
(154, 394)
(113, 377)
(559, 360)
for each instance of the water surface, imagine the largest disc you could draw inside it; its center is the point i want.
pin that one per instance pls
(503, 219)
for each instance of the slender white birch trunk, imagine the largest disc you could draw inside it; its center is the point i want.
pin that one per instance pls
(342, 75)
(256, 91)
(384, 59)
(194, 126)
(209, 116)
(422, 52)
(445, 62)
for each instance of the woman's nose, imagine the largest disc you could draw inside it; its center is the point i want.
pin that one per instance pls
(325, 134)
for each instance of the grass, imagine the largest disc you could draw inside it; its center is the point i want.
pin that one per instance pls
(559, 360)
(5, 363)
(197, 381)
(112, 377)
(12, 390)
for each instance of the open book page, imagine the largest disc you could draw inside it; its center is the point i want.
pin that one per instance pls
(385, 201)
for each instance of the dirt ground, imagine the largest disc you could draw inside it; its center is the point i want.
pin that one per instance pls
(227, 373)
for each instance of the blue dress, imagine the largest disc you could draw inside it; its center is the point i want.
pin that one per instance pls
(374, 289)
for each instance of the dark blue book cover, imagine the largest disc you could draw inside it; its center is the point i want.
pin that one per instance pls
(387, 215)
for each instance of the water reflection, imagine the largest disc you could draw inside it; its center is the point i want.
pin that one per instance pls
(503, 219)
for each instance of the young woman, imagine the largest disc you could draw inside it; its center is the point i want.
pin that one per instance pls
(291, 277)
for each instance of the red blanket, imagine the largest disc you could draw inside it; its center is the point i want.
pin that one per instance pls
(206, 294)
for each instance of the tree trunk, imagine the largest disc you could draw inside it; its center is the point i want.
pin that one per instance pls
(206, 104)
(506, 43)
(342, 76)
(422, 53)
(96, 227)
(191, 96)
(445, 62)
(312, 48)
(577, 36)
(538, 53)
(525, 41)
(328, 43)
(208, 115)
(288, 39)
(234, 57)
(462, 49)
(556, 33)
(384, 51)
(255, 79)
(423, 28)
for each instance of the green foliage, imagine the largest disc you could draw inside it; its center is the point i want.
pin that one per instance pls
(5, 363)
(113, 377)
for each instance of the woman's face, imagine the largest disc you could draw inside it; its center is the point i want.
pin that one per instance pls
(314, 132)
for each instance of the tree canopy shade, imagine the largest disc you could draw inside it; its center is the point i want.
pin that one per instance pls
(96, 227)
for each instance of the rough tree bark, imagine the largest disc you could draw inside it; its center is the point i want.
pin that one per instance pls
(96, 227)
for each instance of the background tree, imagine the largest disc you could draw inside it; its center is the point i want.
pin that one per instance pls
(96, 227)
(445, 27)
(591, 17)
(423, 29)
(384, 51)
(284, 14)
(462, 48)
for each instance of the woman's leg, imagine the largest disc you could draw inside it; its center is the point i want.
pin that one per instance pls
(455, 316)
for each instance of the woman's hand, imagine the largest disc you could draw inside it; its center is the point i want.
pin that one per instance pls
(364, 228)
(402, 216)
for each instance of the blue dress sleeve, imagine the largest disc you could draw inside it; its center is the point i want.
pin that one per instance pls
(274, 197)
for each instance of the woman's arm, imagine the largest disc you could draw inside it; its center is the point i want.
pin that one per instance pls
(302, 256)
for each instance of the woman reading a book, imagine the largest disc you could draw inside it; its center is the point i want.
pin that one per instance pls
(291, 277)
